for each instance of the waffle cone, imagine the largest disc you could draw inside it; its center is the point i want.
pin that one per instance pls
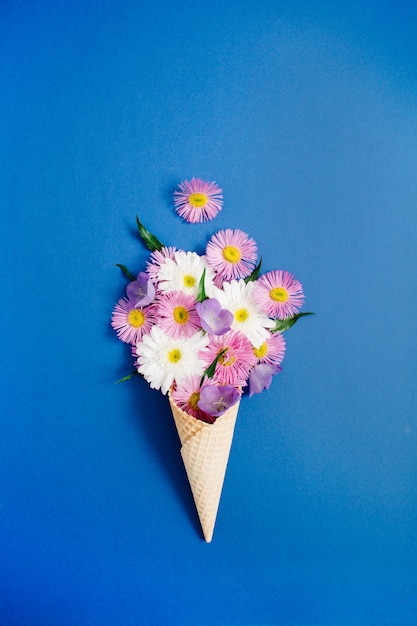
(205, 452)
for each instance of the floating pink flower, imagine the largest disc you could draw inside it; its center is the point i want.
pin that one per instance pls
(272, 351)
(231, 254)
(234, 365)
(198, 200)
(278, 294)
(187, 395)
(176, 314)
(157, 258)
(130, 322)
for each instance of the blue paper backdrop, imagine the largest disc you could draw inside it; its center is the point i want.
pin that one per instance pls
(305, 114)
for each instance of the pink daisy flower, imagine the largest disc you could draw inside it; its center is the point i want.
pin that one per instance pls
(176, 314)
(187, 394)
(231, 254)
(234, 365)
(130, 322)
(272, 351)
(198, 200)
(278, 294)
(156, 259)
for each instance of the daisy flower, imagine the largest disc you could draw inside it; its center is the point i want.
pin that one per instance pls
(177, 315)
(198, 200)
(130, 322)
(237, 297)
(163, 360)
(157, 258)
(231, 254)
(272, 351)
(183, 273)
(187, 395)
(278, 294)
(234, 365)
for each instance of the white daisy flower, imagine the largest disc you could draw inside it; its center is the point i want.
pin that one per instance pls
(163, 360)
(183, 273)
(236, 296)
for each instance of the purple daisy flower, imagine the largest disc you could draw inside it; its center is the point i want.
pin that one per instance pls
(177, 315)
(272, 351)
(278, 294)
(130, 322)
(234, 365)
(231, 254)
(198, 200)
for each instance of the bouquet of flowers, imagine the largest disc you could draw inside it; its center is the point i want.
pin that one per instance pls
(202, 329)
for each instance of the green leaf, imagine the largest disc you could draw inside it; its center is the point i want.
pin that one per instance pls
(209, 372)
(149, 240)
(283, 325)
(201, 294)
(128, 377)
(255, 273)
(126, 271)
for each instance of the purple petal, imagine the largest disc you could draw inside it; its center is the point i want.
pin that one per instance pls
(225, 321)
(216, 399)
(261, 377)
(214, 320)
(141, 291)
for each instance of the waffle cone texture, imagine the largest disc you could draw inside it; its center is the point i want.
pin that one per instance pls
(205, 452)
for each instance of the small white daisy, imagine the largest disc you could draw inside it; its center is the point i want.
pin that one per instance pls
(163, 359)
(183, 273)
(237, 297)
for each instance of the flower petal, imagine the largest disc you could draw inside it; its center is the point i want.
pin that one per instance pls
(261, 377)
(216, 399)
(141, 291)
(214, 319)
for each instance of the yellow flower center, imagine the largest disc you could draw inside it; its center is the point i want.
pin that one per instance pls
(193, 400)
(241, 315)
(136, 318)
(229, 362)
(181, 315)
(198, 199)
(262, 351)
(226, 362)
(174, 355)
(189, 281)
(232, 254)
(279, 294)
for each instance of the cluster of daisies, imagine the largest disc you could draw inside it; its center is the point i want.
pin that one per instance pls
(204, 327)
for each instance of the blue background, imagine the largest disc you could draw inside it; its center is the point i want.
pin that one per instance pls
(305, 114)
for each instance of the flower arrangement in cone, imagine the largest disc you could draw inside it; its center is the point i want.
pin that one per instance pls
(203, 329)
